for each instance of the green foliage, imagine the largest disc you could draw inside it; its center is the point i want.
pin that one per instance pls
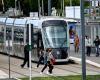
(86, 4)
(9, 3)
(78, 77)
(74, 2)
(32, 5)
(1, 5)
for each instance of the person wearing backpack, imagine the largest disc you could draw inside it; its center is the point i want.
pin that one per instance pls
(97, 43)
(49, 62)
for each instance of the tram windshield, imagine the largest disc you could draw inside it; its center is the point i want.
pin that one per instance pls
(55, 36)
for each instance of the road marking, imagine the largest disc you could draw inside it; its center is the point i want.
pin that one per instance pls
(87, 61)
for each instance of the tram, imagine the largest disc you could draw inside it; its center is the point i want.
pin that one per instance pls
(47, 32)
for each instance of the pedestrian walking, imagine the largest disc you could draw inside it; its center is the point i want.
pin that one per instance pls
(49, 62)
(88, 45)
(26, 57)
(76, 43)
(97, 43)
(41, 58)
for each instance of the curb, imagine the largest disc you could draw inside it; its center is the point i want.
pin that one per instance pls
(87, 61)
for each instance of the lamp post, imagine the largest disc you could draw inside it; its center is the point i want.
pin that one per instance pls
(30, 52)
(8, 50)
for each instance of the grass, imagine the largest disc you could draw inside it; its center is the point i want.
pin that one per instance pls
(79, 77)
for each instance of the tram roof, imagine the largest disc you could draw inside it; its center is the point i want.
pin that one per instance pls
(34, 22)
(10, 21)
(2, 20)
(57, 18)
(21, 22)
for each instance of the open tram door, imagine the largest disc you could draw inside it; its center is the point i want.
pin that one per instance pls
(36, 39)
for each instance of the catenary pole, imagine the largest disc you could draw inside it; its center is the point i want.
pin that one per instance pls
(49, 7)
(3, 5)
(42, 8)
(39, 7)
(63, 7)
(83, 40)
(70, 2)
(15, 7)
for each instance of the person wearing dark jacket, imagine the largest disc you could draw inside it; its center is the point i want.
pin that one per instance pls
(26, 56)
(41, 57)
(97, 43)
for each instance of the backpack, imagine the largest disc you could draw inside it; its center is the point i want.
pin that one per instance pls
(53, 60)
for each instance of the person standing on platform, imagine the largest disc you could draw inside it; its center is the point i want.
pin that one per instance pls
(76, 44)
(97, 43)
(88, 45)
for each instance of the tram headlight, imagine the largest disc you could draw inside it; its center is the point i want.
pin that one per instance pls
(58, 52)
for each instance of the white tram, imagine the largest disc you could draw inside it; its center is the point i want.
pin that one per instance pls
(47, 32)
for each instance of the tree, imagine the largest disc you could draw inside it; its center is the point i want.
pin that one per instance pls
(74, 2)
(1, 6)
(32, 5)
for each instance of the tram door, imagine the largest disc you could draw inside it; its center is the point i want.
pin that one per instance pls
(37, 43)
(1, 38)
(18, 41)
(8, 37)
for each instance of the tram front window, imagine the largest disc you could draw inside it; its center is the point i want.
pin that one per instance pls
(55, 36)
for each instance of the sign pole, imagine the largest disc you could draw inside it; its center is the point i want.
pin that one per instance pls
(9, 55)
(30, 50)
(8, 51)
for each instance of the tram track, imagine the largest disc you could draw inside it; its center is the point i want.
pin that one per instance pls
(71, 70)
(27, 75)
(34, 70)
(87, 68)
(13, 71)
(55, 67)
